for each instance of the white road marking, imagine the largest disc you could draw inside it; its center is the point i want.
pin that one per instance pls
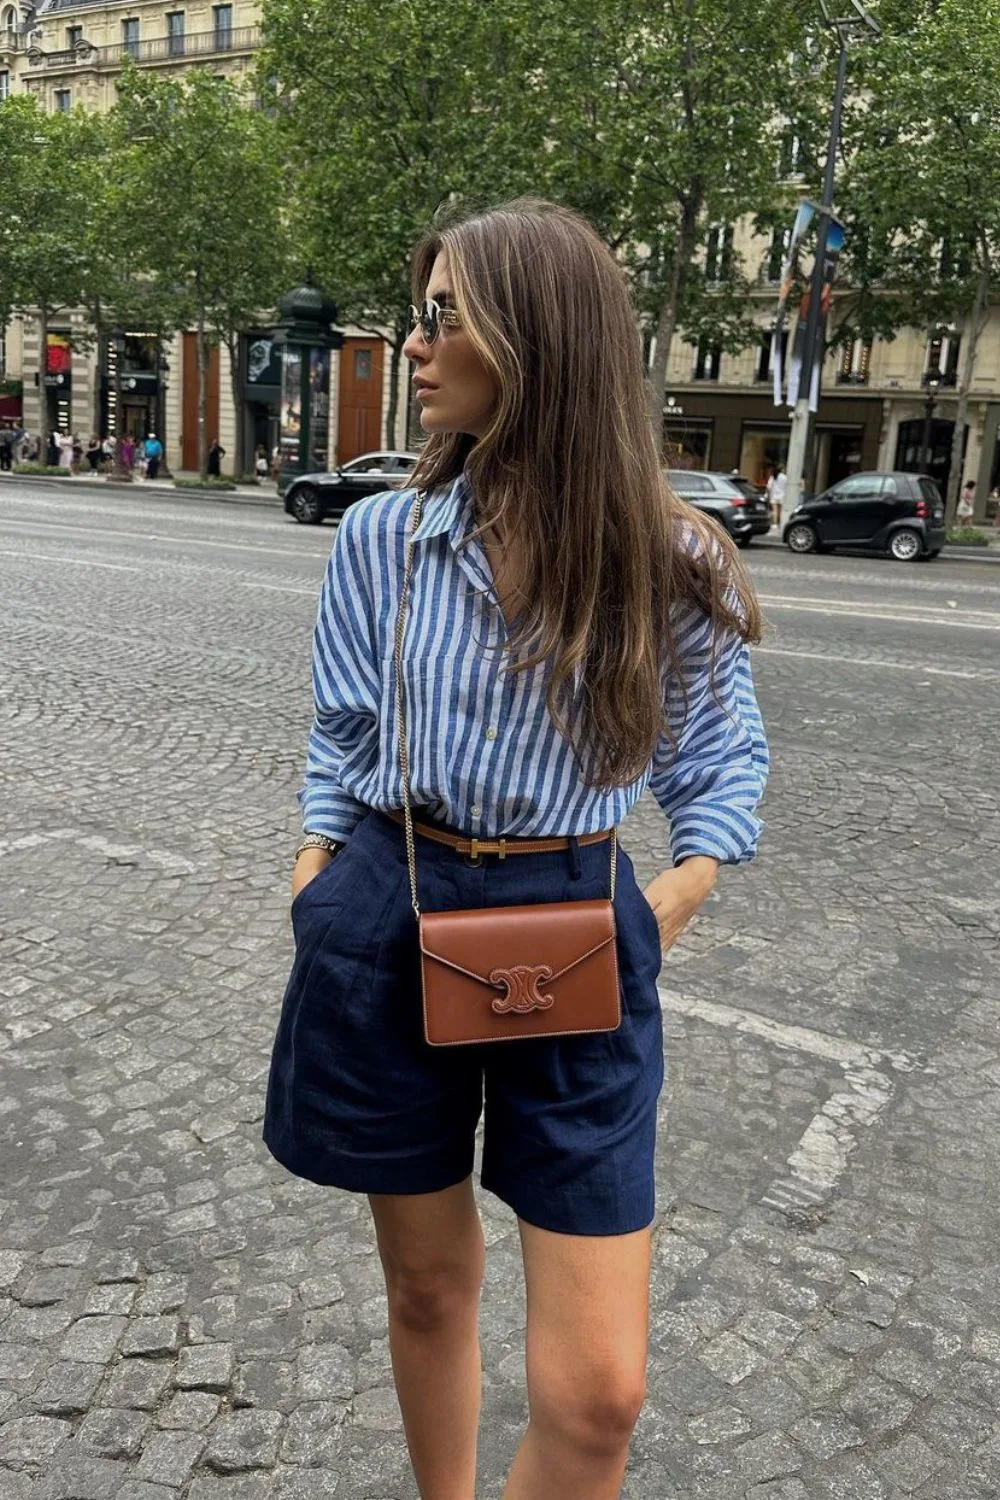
(192, 541)
(871, 661)
(75, 562)
(965, 619)
(820, 1158)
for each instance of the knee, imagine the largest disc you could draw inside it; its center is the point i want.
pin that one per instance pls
(594, 1414)
(429, 1299)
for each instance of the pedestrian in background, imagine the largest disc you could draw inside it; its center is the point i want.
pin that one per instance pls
(66, 445)
(775, 490)
(52, 450)
(967, 503)
(94, 454)
(216, 454)
(154, 453)
(77, 454)
(518, 724)
(107, 454)
(6, 447)
(126, 454)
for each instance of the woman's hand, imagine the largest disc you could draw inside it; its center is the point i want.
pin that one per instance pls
(677, 895)
(307, 867)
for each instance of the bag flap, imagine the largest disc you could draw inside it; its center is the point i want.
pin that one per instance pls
(554, 937)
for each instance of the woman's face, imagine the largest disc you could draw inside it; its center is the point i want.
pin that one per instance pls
(455, 390)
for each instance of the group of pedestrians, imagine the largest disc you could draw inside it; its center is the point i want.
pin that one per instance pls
(140, 457)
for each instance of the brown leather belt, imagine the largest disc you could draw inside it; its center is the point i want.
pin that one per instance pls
(501, 847)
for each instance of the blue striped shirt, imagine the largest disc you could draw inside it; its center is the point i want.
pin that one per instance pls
(485, 754)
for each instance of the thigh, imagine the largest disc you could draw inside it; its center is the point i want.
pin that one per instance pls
(588, 1310)
(429, 1234)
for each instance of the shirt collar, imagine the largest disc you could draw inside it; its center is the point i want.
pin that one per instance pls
(446, 509)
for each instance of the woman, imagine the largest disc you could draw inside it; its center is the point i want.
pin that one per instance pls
(94, 454)
(967, 503)
(573, 635)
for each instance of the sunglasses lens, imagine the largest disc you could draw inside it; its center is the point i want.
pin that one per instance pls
(429, 322)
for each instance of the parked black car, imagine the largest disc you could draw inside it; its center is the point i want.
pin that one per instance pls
(902, 514)
(732, 501)
(313, 497)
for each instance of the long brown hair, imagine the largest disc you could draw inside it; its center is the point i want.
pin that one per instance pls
(570, 467)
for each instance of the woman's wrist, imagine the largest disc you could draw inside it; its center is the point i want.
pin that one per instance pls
(700, 870)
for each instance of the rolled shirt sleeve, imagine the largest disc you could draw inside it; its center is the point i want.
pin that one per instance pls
(346, 687)
(710, 778)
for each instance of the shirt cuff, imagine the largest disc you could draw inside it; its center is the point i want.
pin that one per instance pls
(727, 834)
(327, 808)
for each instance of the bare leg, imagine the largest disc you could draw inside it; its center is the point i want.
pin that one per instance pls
(433, 1256)
(588, 1317)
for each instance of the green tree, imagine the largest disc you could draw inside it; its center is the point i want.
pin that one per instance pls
(389, 109)
(50, 190)
(202, 170)
(924, 178)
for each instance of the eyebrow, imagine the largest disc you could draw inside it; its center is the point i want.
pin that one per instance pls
(443, 299)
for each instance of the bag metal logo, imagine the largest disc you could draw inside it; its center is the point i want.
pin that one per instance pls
(521, 983)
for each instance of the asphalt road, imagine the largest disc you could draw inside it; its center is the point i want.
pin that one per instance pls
(180, 1320)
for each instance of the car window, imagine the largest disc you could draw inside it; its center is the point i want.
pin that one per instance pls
(370, 463)
(889, 486)
(686, 483)
(403, 463)
(930, 491)
(857, 487)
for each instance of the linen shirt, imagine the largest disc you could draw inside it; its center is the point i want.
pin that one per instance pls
(485, 756)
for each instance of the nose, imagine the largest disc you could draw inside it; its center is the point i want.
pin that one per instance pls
(415, 348)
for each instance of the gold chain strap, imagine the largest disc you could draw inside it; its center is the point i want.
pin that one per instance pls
(404, 752)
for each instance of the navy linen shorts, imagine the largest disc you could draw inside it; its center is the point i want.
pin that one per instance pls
(358, 1100)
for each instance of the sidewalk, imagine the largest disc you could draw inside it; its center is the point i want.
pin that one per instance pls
(243, 494)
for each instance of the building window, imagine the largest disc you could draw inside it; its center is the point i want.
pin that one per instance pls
(780, 241)
(63, 101)
(74, 34)
(719, 252)
(10, 21)
(223, 15)
(362, 364)
(130, 36)
(4, 85)
(791, 158)
(765, 366)
(855, 362)
(175, 33)
(943, 348)
(707, 361)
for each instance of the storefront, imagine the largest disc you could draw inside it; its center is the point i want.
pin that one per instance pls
(58, 382)
(130, 385)
(744, 431)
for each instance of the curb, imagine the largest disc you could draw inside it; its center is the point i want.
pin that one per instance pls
(988, 555)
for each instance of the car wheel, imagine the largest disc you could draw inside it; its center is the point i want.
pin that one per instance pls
(306, 507)
(905, 545)
(801, 537)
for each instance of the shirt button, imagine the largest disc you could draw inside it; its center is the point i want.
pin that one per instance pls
(491, 734)
(476, 810)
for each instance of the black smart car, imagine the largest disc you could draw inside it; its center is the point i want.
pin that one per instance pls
(902, 514)
(313, 497)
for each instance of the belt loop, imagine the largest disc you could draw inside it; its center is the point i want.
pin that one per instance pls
(474, 853)
(503, 848)
(575, 865)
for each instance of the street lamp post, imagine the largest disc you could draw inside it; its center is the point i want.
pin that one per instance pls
(846, 27)
(932, 382)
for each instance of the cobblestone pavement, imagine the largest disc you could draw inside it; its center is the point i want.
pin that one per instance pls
(181, 1320)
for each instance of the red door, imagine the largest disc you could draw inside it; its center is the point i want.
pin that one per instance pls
(359, 407)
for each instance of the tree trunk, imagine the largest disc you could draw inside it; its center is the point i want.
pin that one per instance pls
(43, 390)
(240, 466)
(977, 322)
(202, 349)
(669, 314)
(102, 356)
(396, 345)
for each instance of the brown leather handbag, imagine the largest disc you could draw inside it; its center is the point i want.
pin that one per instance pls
(495, 974)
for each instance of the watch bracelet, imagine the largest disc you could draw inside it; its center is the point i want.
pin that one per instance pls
(318, 841)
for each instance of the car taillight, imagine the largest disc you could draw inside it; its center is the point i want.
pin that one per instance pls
(922, 509)
(738, 500)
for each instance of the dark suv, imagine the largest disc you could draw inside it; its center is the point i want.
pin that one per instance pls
(729, 499)
(902, 514)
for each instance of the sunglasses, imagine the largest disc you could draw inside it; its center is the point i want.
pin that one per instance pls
(431, 318)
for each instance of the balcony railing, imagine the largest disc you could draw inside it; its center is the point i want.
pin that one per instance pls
(159, 49)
